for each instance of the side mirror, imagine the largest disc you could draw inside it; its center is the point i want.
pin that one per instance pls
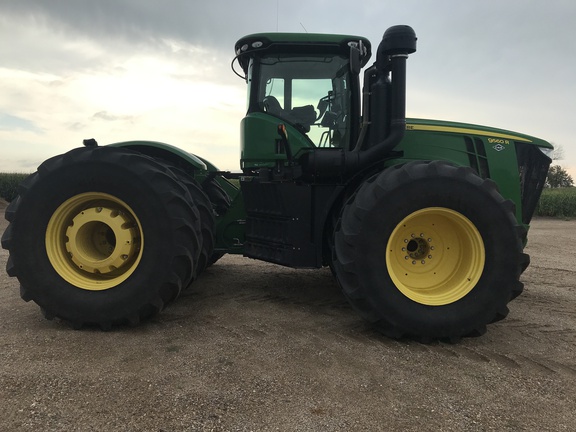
(359, 55)
(355, 60)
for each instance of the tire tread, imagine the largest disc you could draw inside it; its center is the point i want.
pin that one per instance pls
(349, 227)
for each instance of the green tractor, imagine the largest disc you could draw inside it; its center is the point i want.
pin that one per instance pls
(423, 223)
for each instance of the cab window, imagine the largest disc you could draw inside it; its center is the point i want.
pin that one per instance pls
(312, 94)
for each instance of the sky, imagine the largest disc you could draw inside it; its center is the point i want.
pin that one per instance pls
(118, 70)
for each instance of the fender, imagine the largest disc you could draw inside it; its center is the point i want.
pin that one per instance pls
(196, 166)
(167, 152)
(229, 230)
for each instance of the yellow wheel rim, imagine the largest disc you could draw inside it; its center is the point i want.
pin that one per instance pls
(435, 256)
(94, 241)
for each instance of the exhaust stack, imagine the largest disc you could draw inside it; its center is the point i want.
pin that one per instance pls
(385, 121)
(384, 111)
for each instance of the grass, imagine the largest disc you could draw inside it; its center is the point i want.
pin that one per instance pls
(9, 185)
(558, 202)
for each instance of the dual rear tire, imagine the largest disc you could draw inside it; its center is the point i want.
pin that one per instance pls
(106, 236)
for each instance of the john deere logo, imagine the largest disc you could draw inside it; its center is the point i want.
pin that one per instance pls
(498, 147)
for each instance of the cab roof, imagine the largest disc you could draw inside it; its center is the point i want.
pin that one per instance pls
(299, 43)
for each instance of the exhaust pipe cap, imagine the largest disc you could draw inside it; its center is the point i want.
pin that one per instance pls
(400, 39)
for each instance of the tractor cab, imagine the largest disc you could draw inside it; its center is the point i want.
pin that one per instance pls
(306, 83)
(304, 116)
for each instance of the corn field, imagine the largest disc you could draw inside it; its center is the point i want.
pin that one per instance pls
(9, 185)
(557, 202)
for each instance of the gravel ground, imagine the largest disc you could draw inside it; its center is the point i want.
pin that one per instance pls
(257, 347)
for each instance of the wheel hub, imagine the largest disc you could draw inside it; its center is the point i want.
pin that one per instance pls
(94, 241)
(101, 240)
(435, 256)
(419, 249)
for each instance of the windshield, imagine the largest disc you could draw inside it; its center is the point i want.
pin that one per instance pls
(311, 93)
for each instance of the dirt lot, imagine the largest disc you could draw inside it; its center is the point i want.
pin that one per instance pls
(256, 347)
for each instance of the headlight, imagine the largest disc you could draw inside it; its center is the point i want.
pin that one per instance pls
(547, 151)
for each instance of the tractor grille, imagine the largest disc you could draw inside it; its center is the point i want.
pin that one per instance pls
(477, 156)
(533, 168)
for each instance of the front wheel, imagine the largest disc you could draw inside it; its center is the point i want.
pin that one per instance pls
(102, 236)
(429, 250)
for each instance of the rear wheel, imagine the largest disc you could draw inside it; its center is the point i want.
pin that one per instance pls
(207, 219)
(221, 203)
(102, 236)
(94, 240)
(429, 250)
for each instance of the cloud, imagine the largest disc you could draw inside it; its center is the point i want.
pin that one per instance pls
(105, 115)
(160, 70)
(9, 122)
(144, 22)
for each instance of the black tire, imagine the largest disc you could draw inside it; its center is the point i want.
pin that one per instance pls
(220, 203)
(102, 236)
(525, 262)
(207, 219)
(390, 270)
(218, 196)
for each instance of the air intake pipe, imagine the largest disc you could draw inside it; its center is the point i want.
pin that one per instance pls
(385, 123)
(387, 117)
